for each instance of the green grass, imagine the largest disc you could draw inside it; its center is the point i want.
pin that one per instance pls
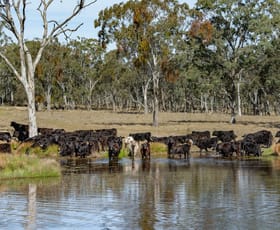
(23, 166)
(25, 148)
(267, 152)
(158, 148)
(51, 151)
(123, 153)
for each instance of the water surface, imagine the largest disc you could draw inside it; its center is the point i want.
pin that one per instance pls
(156, 194)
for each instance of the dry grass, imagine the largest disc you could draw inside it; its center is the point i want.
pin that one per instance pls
(125, 123)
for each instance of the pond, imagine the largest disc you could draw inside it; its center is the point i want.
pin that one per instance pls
(162, 193)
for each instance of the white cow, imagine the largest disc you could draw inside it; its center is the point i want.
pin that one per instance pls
(131, 145)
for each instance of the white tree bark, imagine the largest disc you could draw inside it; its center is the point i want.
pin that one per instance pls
(13, 15)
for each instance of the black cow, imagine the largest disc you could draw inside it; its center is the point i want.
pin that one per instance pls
(141, 136)
(277, 134)
(170, 142)
(5, 136)
(249, 147)
(114, 147)
(198, 135)
(20, 131)
(224, 136)
(227, 149)
(67, 149)
(107, 132)
(5, 148)
(205, 143)
(145, 150)
(82, 149)
(182, 149)
(262, 137)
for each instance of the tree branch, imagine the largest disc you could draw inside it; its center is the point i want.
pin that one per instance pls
(58, 28)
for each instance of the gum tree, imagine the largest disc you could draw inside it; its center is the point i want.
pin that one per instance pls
(243, 30)
(13, 15)
(146, 34)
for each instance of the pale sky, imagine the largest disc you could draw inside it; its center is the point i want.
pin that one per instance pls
(62, 8)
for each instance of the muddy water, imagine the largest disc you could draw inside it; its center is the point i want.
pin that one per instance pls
(160, 194)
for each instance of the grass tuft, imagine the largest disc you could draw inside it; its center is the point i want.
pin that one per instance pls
(22, 166)
(158, 148)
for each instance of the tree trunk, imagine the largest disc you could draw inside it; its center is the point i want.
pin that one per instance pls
(33, 131)
(66, 104)
(145, 96)
(238, 99)
(155, 99)
(254, 101)
(48, 98)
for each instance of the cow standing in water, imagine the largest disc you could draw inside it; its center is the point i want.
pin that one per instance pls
(114, 147)
(145, 150)
(182, 149)
(131, 145)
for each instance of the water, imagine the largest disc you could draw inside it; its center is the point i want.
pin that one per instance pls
(160, 194)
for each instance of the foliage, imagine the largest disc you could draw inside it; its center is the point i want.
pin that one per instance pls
(166, 56)
(145, 33)
(242, 30)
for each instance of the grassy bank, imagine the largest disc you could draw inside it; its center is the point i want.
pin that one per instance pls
(27, 162)
(24, 166)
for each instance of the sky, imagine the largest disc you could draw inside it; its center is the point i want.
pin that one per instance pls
(61, 8)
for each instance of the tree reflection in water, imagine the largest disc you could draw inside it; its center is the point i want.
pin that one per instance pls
(149, 194)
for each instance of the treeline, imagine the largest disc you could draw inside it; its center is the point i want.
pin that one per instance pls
(220, 56)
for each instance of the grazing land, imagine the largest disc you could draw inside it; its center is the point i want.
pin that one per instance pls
(170, 124)
(129, 122)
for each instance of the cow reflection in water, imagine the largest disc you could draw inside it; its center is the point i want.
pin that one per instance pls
(115, 166)
(146, 164)
(174, 165)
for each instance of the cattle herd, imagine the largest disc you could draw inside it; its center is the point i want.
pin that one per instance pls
(83, 143)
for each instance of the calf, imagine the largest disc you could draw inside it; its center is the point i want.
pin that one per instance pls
(145, 150)
(182, 149)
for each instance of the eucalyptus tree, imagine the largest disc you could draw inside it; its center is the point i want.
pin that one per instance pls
(115, 82)
(88, 57)
(49, 70)
(239, 27)
(145, 33)
(264, 80)
(13, 15)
